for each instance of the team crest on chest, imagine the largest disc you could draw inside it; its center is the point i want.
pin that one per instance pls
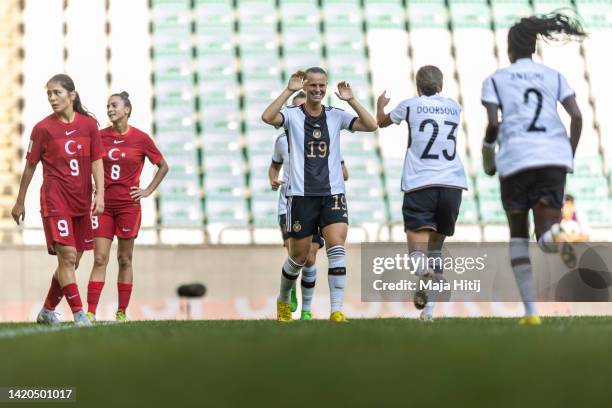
(316, 133)
(296, 227)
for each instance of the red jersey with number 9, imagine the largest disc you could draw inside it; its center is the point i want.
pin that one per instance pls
(123, 164)
(66, 151)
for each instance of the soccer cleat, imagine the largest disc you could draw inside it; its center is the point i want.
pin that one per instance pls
(120, 316)
(306, 315)
(294, 302)
(420, 299)
(426, 316)
(283, 312)
(91, 317)
(566, 250)
(338, 317)
(46, 316)
(80, 319)
(532, 320)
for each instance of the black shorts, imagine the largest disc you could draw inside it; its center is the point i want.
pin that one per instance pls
(523, 190)
(306, 215)
(316, 237)
(435, 208)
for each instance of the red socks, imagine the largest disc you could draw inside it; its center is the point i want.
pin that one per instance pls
(71, 291)
(125, 291)
(54, 296)
(94, 289)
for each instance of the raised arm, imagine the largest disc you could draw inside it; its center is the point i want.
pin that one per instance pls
(365, 121)
(571, 107)
(383, 119)
(272, 115)
(18, 211)
(489, 142)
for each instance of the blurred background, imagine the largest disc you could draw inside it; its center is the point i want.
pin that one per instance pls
(201, 72)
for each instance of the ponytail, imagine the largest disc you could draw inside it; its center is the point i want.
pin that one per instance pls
(523, 35)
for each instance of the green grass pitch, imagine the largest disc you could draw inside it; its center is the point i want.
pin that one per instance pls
(371, 363)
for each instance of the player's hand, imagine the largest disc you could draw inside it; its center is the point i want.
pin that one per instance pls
(296, 82)
(275, 184)
(18, 212)
(488, 158)
(383, 100)
(137, 193)
(345, 92)
(97, 205)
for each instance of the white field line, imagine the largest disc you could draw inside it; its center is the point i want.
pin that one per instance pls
(28, 331)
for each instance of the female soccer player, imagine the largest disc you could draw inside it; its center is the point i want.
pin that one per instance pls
(534, 151)
(433, 176)
(315, 189)
(126, 148)
(68, 144)
(280, 158)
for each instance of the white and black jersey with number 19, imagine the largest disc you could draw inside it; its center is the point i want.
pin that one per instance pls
(431, 159)
(531, 132)
(314, 150)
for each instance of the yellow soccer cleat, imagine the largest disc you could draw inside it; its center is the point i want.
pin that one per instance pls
(532, 320)
(283, 312)
(338, 317)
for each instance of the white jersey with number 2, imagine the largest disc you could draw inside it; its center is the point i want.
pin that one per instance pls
(531, 133)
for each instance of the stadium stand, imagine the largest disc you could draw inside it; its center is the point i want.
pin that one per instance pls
(213, 66)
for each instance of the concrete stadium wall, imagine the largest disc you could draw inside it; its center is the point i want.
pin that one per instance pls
(242, 283)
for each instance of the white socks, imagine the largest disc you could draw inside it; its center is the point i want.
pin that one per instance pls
(521, 266)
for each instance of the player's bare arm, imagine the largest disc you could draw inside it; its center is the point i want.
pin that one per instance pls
(571, 107)
(345, 173)
(97, 170)
(383, 119)
(488, 144)
(272, 115)
(18, 211)
(365, 121)
(162, 170)
(273, 172)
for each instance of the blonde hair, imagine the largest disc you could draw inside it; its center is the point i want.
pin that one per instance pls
(429, 80)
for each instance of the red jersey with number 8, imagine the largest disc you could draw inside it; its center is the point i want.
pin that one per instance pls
(123, 164)
(66, 151)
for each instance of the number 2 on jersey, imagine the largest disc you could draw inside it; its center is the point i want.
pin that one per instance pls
(532, 126)
(434, 135)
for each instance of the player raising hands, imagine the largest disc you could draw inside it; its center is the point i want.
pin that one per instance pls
(315, 189)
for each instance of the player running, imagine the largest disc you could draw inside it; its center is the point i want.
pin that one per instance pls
(534, 151)
(315, 190)
(433, 177)
(126, 148)
(309, 271)
(67, 142)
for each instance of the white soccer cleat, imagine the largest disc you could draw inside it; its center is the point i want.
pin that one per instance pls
(426, 316)
(81, 319)
(566, 250)
(46, 316)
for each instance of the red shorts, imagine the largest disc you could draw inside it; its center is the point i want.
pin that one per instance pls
(121, 222)
(69, 231)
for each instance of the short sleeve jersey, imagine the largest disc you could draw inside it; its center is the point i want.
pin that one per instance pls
(431, 158)
(314, 150)
(531, 132)
(281, 156)
(123, 164)
(66, 151)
